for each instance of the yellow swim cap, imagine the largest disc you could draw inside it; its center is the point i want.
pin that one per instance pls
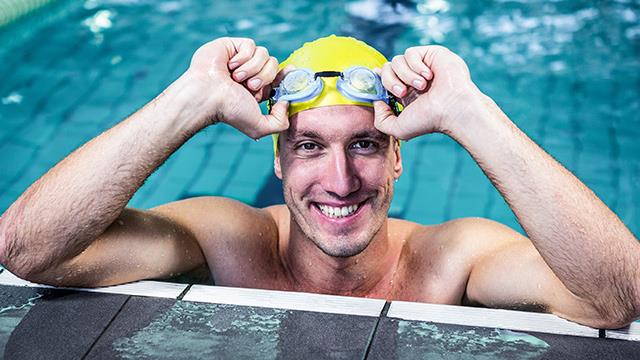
(331, 53)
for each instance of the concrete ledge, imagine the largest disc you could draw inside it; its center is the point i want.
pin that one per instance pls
(631, 332)
(139, 288)
(491, 318)
(286, 300)
(445, 314)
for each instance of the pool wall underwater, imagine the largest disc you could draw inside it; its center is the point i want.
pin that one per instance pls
(566, 72)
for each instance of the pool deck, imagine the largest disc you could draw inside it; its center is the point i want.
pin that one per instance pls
(152, 319)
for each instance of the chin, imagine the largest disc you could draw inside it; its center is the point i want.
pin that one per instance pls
(342, 246)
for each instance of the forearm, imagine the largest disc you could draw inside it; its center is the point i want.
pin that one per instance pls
(585, 244)
(74, 202)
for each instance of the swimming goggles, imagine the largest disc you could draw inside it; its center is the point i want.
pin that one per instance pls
(356, 83)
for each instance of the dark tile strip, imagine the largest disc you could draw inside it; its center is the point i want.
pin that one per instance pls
(453, 184)
(577, 91)
(413, 178)
(235, 164)
(106, 328)
(383, 313)
(614, 155)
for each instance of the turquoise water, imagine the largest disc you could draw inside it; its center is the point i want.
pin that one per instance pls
(566, 72)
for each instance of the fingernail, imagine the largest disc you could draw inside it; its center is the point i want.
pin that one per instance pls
(417, 84)
(233, 65)
(255, 83)
(397, 89)
(240, 75)
(425, 74)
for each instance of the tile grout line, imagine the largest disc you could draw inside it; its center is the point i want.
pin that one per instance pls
(184, 292)
(105, 328)
(383, 313)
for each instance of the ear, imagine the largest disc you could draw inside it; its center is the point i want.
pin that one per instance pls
(276, 166)
(397, 166)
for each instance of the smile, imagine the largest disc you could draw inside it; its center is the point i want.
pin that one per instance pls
(338, 212)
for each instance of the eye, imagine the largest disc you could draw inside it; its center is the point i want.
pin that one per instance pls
(308, 146)
(363, 144)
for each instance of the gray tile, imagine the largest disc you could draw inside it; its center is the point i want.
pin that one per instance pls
(402, 339)
(166, 329)
(57, 324)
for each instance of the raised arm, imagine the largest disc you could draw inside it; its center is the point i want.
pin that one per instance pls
(58, 228)
(580, 239)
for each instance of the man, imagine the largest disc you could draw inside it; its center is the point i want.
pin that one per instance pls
(338, 159)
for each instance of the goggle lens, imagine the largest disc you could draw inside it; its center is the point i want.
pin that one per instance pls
(296, 81)
(364, 81)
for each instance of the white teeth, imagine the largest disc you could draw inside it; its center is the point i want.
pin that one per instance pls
(338, 212)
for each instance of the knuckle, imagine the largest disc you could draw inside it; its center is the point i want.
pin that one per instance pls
(413, 50)
(440, 48)
(397, 58)
(262, 50)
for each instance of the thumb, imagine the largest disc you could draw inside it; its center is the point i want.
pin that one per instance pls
(277, 120)
(385, 120)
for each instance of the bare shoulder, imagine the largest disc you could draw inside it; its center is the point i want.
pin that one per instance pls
(218, 219)
(477, 232)
(438, 259)
(465, 239)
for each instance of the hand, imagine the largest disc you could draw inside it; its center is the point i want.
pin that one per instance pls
(434, 86)
(238, 74)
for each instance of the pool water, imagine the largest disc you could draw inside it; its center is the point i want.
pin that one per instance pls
(566, 72)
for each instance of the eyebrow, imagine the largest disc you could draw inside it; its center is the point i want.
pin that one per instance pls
(366, 134)
(303, 134)
(371, 134)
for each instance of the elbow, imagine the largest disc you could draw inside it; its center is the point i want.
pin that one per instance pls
(617, 322)
(12, 258)
(619, 316)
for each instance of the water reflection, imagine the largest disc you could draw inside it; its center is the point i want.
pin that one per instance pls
(188, 330)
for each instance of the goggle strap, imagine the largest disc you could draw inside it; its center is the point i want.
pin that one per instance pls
(327, 74)
(394, 105)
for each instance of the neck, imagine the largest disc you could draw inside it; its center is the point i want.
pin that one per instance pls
(369, 273)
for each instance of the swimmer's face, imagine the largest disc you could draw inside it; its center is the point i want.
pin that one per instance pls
(338, 173)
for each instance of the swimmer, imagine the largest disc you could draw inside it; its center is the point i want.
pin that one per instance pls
(335, 112)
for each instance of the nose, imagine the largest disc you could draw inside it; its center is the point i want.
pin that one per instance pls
(340, 177)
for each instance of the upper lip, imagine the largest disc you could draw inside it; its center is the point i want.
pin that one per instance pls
(339, 204)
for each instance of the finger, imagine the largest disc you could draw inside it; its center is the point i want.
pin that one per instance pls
(415, 61)
(252, 66)
(385, 120)
(282, 73)
(276, 121)
(408, 76)
(265, 76)
(244, 49)
(265, 92)
(391, 81)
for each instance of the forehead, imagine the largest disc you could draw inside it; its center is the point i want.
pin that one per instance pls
(337, 121)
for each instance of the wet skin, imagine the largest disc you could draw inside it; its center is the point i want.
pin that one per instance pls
(72, 226)
(334, 156)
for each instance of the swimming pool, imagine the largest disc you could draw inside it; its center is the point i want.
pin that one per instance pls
(566, 72)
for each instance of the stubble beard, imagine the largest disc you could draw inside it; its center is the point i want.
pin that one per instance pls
(343, 245)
